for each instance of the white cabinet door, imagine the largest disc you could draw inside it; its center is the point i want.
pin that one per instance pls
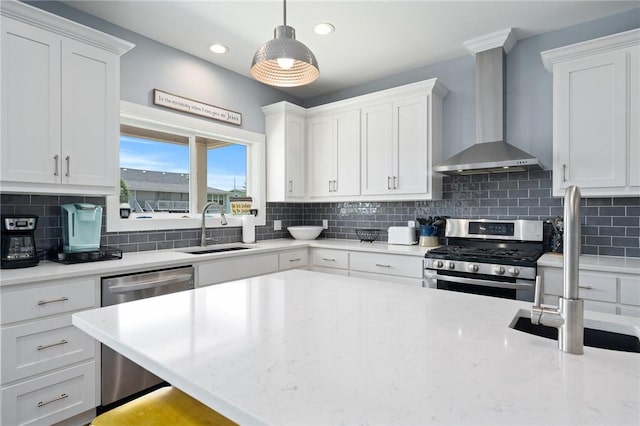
(235, 268)
(30, 104)
(591, 105)
(634, 119)
(321, 157)
(347, 153)
(295, 156)
(377, 149)
(295, 259)
(410, 149)
(89, 116)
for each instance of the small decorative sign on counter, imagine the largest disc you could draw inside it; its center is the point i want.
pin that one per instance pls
(179, 103)
(241, 205)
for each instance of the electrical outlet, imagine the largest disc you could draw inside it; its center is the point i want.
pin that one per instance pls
(411, 224)
(325, 224)
(277, 225)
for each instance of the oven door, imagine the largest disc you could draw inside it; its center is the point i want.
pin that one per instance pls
(507, 288)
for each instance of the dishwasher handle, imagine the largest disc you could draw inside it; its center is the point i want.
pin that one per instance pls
(143, 285)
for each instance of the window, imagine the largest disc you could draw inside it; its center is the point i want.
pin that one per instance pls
(172, 164)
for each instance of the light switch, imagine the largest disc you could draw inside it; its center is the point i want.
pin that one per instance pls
(277, 225)
(325, 224)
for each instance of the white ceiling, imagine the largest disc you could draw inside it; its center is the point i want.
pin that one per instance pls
(373, 39)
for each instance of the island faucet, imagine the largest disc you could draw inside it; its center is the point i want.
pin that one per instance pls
(223, 221)
(568, 317)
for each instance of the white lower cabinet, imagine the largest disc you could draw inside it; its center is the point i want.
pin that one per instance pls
(327, 260)
(609, 292)
(293, 259)
(50, 398)
(235, 268)
(49, 369)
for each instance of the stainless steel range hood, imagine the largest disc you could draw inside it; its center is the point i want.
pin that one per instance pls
(490, 153)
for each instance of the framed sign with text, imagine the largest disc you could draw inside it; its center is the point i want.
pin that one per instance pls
(179, 103)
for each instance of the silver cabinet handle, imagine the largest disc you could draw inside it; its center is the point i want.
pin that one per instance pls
(335, 185)
(68, 160)
(382, 265)
(55, 163)
(290, 186)
(564, 172)
(395, 186)
(388, 182)
(326, 259)
(44, 302)
(143, 285)
(63, 396)
(586, 287)
(61, 342)
(330, 190)
(297, 259)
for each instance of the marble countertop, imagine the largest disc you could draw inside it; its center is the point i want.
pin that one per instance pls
(630, 265)
(297, 348)
(145, 260)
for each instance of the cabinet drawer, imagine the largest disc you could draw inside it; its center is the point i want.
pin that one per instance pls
(236, 268)
(293, 259)
(40, 346)
(330, 258)
(334, 271)
(607, 308)
(387, 264)
(630, 290)
(631, 311)
(42, 301)
(593, 286)
(51, 398)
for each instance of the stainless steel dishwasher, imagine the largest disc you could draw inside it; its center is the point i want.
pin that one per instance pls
(122, 378)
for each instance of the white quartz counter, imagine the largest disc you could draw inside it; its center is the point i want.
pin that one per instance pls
(630, 265)
(132, 262)
(305, 348)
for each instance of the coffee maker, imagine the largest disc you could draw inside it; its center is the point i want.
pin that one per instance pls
(81, 224)
(18, 241)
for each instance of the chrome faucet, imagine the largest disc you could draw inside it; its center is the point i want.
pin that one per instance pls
(568, 317)
(223, 221)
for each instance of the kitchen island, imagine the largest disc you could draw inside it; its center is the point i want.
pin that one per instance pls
(301, 347)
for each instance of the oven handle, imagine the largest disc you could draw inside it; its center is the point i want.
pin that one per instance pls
(432, 277)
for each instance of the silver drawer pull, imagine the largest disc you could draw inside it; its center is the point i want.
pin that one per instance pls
(68, 160)
(55, 162)
(328, 259)
(383, 266)
(61, 342)
(44, 302)
(297, 259)
(63, 396)
(586, 287)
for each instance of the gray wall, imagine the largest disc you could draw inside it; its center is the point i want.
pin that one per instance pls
(529, 88)
(152, 65)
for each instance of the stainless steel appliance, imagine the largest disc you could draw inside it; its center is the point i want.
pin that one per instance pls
(489, 257)
(18, 241)
(122, 378)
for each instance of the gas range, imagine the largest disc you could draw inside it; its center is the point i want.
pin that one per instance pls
(491, 257)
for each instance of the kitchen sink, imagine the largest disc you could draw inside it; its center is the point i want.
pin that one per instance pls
(217, 250)
(597, 334)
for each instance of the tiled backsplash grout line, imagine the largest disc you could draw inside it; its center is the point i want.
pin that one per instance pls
(611, 226)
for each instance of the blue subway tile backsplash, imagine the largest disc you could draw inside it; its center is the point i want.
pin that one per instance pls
(610, 226)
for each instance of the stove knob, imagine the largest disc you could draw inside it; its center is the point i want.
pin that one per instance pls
(438, 264)
(473, 267)
(498, 270)
(451, 265)
(514, 272)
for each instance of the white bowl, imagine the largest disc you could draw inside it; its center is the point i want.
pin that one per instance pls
(304, 232)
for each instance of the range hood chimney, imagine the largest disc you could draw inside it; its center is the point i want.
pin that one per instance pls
(490, 153)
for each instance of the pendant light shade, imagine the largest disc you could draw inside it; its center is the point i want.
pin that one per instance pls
(284, 61)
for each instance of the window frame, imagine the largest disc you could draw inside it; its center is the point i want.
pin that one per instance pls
(157, 119)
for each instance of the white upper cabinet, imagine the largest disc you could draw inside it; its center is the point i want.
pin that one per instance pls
(285, 129)
(60, 102)
(379, 146)
(596, 117)
(334, 154)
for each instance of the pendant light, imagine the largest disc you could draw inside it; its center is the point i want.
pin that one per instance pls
(284, 61)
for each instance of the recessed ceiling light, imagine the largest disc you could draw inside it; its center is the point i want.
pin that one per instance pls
(218, 48)
(324, 28)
